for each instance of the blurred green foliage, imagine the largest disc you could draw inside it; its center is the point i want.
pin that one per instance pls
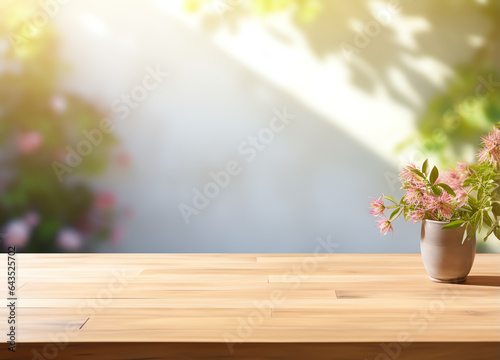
(38, 121)
(451, 127)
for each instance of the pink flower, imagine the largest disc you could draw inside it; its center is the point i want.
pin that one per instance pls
(384, 225)
(430, 202)
(406, 173)
(69, 239)
(490, 152)
(409, 178)
(417, 215)
(377, 206)
(462, 167)
(488, 155)
(444, 209)
(17, 233)
(440, 207)
(413, 196)
(461, 197)
(493, 138)
(105, 201)
(29, 142)
(454, 179)
(58, 103)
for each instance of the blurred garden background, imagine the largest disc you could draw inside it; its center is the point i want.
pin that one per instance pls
(233, 125)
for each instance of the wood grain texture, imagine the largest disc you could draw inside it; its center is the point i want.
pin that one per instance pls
(186, 306)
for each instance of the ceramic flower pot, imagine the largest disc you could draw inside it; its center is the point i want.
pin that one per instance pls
(445, 258)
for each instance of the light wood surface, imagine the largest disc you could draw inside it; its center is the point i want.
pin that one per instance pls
(239, 305)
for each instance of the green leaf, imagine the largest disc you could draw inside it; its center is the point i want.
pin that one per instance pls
(475, 167)
(496, 208)
(434, 175)
(471, 233)
(447, 188)
(394, 213)
(480, 193)
(472, 202)
(418, 173)
(436, 190)
(469, 181)
(497, 232)
(425, 167)
(465, 233)
(390, 198)
(489, 233)
(475, 218)
(487, 219)
(454, 224)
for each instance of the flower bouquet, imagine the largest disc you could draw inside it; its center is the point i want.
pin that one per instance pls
(460, 201)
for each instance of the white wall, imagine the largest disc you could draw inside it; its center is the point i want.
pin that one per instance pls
(314, 179)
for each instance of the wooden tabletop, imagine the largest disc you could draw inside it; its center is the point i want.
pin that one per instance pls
(231, 302)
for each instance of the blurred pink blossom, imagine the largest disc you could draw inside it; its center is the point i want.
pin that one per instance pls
(69, 239)
(123, 159)
(58, 103)
(29, 142)
(32, 218)
(105, 201)
(17, 233)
